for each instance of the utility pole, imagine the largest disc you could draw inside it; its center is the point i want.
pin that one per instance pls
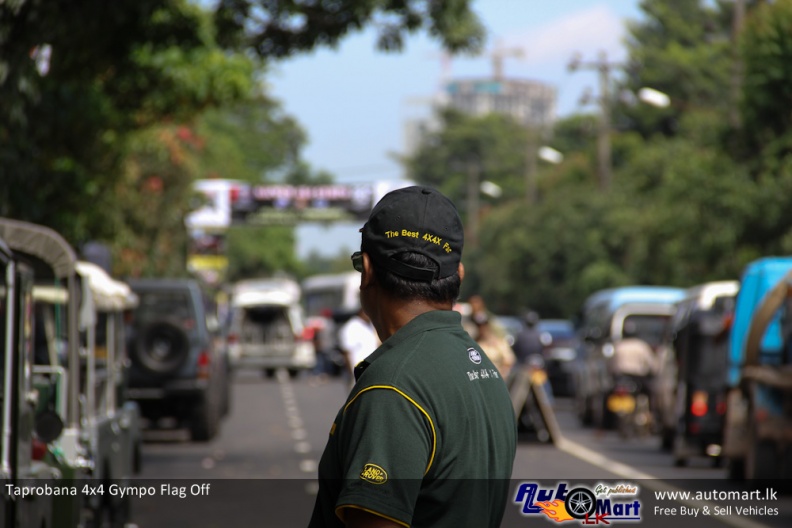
(531, 166)
(604, 69)
(473, 205)
(738, 20)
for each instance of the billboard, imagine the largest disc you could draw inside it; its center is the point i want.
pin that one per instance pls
(231, 202)
(293, 204)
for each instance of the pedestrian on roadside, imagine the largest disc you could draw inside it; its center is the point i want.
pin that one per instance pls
(427, 436)
(357, 338)
(478, 309)
(528, 341)
(496, 347)
(324, 343)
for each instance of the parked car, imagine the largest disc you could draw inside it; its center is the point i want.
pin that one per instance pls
(602, 320)
(268, 328)
(179, 360)
(689, 394)
(561, 345)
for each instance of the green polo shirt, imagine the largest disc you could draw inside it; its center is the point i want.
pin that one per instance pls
(427, 436)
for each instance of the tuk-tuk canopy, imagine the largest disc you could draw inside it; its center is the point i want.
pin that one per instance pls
(41, 243)
(108, 294)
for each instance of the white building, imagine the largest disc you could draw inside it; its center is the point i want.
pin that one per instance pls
(530, 103)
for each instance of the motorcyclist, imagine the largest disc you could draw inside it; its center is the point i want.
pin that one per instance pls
(527, 342)
(633, 357)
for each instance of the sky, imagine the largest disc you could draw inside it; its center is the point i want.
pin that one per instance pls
(353, 101)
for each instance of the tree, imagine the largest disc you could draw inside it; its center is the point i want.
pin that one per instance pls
(249, 140)
(65, 128)
(150, 238)
(683, 49)
(766, 104)
(99, 105)
(493, 146)
(261, 251)
(278, 28)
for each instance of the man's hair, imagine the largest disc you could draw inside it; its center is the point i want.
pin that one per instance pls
(444, 290)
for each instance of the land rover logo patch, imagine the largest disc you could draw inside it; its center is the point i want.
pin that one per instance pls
(474, 355)
(374, 474)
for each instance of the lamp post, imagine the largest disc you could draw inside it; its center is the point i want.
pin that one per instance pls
(604, 68)
(473, 204)
(475, 188)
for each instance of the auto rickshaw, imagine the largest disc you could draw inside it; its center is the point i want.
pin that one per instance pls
(691, 383)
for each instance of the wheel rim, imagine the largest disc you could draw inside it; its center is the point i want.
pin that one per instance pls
(580, 503)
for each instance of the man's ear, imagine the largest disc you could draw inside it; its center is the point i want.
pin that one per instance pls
(367, 275)
(461, 271)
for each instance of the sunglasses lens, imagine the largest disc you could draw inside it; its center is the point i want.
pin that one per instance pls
(357, 261)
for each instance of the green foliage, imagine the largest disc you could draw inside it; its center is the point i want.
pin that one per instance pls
(493, 146)
(548, 257)
(681, 48)
(115, 69)
(249, 139)
(767, 92)
(278, 28)
(139, 98)
(683, 208)
(150, 238)
(260, 252)
(254, 141)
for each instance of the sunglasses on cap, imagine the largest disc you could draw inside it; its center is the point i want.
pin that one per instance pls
(357, 261)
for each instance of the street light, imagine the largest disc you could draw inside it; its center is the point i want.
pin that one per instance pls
(550, 155)
(491, 189)
(654, 97)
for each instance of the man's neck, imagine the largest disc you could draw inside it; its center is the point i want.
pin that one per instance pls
(397, 313)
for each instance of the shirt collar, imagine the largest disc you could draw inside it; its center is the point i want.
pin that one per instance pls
(426, 321)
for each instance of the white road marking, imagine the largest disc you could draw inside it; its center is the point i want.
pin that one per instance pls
(299, 434)
(308, 465)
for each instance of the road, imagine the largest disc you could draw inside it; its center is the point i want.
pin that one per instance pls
(261, 469)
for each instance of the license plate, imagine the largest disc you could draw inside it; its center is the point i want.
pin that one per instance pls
(538, 377)
(621, 403)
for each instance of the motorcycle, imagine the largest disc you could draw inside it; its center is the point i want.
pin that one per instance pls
(629, 403)
(533, 398)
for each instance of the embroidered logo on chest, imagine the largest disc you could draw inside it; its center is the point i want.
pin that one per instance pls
(374, 474)
(474, 355)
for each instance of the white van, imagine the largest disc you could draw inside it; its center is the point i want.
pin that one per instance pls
(267, 328)
(339, 293)
(330, 300)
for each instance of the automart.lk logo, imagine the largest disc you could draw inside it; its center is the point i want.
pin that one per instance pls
(602, 504)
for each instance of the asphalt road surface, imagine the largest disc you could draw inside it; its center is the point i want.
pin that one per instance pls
(261, 471)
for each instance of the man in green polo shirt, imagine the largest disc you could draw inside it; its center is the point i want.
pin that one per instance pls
(427, 436)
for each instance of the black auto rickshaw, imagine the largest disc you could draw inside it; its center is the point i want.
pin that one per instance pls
(690, 390)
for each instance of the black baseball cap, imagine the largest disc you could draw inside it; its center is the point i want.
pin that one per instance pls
(415, 219)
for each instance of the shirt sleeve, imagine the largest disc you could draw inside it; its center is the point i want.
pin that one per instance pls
(387, 444)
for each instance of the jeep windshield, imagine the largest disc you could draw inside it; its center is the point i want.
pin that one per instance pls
(165, 305)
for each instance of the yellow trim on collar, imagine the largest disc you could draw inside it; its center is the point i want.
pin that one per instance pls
(338, 512)
(426, 414)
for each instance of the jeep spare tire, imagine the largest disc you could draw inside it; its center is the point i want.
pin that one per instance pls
(162, 348)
